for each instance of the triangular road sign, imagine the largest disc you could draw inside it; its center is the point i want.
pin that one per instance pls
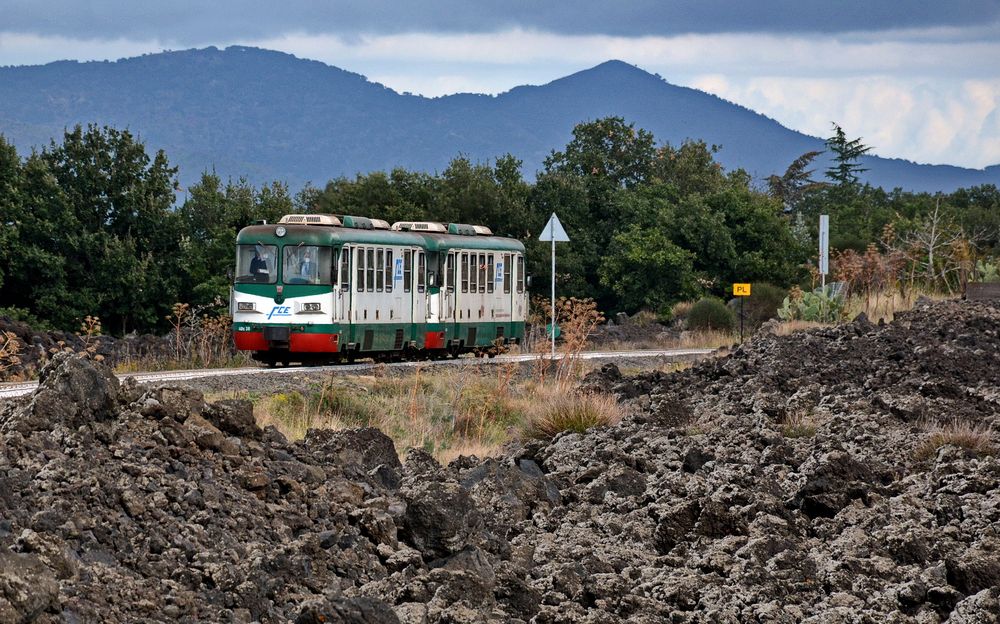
(554, 231)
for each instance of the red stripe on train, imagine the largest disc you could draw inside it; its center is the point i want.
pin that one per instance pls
(250, 341)
(313, 343)
(434, 340)
(297, 342)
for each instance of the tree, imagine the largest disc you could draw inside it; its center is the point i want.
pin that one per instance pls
(846, 154)
(10, 205)
(790, 188)
(608, 151)
(691, 168)
(647, 270)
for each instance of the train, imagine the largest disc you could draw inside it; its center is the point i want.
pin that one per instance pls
(318, 288)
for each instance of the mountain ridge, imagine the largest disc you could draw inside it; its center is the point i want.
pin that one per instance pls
(269, 115)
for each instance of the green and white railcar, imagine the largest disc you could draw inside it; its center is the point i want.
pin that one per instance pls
(323, 287)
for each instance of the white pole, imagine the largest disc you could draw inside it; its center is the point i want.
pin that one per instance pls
(553, 328)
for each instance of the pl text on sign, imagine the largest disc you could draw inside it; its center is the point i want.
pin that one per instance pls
(741, 290)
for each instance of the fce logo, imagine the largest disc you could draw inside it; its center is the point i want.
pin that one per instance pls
(280, 311)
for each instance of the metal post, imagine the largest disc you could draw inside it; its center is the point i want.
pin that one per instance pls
(822, 283)
(552, 329)
(741, 319)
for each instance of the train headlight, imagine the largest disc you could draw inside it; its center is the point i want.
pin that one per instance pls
(244, 306)
(310, 307)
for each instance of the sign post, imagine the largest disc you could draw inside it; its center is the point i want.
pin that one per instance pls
(554, 233)
(824, 255)
(742, 291)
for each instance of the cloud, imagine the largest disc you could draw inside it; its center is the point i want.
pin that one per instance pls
(196, 22)
(923, 94)
(953, 121)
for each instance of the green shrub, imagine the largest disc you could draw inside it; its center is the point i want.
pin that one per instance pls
(987, 271)
(822, 307)
(710, 313)
(762, 304)
(25, 316)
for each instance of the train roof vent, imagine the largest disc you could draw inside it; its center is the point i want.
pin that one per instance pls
(379, 224)
(419, 226)
(462, 229)
(482, 230)
(310, 219)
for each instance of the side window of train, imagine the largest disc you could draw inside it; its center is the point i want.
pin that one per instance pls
(379, 269)
(420, 271)
(490, 273)
(482, 272)
(520, 273)
(370, 267)
(407, 270)
(360, 263)
(464, 262)
(388, 270)
(473, 273)
(506, 274)
(345, 268)
(449, 272)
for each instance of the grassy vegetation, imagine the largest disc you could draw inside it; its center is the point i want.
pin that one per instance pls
(976, 438)
(799, 424)
(466, 410)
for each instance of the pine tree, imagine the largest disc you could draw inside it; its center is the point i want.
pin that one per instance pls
(845, 169)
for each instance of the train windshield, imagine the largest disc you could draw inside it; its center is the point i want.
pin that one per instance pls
(256, 263)
(307, 264)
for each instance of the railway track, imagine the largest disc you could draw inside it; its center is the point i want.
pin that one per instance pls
(9, 390)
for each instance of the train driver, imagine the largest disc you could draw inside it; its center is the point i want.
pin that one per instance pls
(258, 267)
(306, 267)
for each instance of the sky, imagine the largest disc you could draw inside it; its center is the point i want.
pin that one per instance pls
(914, 79)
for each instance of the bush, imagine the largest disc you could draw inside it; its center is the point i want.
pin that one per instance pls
(987, 271)
(571, 412)
(762, 304)
(710, 313)
(823, 306)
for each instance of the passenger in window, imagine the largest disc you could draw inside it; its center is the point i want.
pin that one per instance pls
(258, 267)
(306, 267)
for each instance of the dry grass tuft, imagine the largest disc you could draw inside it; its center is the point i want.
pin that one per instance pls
(468, 448)
(570, 411)
(970, 436)
(790, 327)
(799, 424)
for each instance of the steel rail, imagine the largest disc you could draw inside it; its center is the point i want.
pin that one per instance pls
(9, 390)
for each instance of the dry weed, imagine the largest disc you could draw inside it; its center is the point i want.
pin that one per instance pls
(800, 423)
(971, 436)
(570, 411)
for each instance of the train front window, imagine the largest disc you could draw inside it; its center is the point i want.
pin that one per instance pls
(256, 263)
(307, 264)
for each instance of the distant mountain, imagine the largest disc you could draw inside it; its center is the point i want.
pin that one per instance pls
(268, 115)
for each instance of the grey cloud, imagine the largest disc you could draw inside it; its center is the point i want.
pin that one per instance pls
(192, 22)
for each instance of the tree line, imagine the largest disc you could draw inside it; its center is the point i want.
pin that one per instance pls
(96, 225)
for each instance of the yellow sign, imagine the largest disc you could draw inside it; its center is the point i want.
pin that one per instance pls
(741, 290)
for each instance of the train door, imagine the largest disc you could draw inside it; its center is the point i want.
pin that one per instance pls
(520, 308)
(503, 285)
(448, 290)
(434, 296)
(394, 285)
(342, 299)
(420, 290)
